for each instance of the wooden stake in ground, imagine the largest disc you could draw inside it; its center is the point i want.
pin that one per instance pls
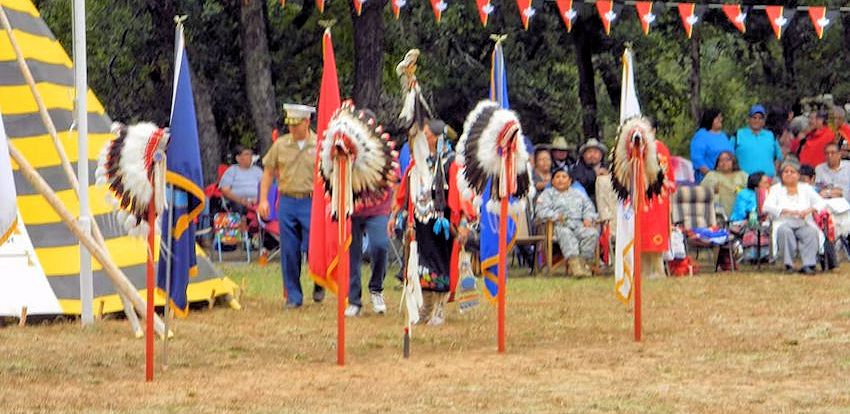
(119, 279)
(343, 266)
(151, 286)
(637, 200)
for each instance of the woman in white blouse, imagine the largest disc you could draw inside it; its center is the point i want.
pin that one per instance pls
(792, 203)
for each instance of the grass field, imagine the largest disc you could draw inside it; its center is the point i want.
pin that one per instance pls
(716, 343)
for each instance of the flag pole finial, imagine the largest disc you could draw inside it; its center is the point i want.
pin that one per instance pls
(327, 24)
(498, 38)
(178, 20)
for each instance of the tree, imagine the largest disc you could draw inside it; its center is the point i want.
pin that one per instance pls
(257, 67)
(368, 53)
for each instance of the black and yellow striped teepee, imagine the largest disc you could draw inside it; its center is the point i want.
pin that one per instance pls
(56, 257)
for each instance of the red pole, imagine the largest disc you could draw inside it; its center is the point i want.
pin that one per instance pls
(638, 205)
(342, 269)
(503, 286)
(150, 288)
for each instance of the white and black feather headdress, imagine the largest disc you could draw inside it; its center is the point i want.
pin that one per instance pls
(636, 144)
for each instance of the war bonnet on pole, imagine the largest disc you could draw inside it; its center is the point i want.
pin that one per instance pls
(133, 167)
(488, 133)
(356, 135)
(636, 131)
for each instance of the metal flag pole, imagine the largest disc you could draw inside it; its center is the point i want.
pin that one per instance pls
(169, 255)
(81, 93)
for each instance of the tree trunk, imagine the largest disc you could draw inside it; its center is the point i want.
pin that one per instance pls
(159, 51)
(586, 83)
(208, 138)
(258, 74)
(694, 79)
(368, 54)
(611, 69)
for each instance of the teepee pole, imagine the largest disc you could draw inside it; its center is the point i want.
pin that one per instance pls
(60, 149)
(119, 279)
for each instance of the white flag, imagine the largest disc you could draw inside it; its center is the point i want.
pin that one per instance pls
(8, 206)
(624, 251)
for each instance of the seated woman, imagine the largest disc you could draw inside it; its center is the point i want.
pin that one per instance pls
(573, 214)
(792, 203)
(725, 180)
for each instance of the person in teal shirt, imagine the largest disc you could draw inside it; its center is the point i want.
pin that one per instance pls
(755, 147)
(708, 142)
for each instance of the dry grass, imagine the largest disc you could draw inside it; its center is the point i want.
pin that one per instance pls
(728, 343)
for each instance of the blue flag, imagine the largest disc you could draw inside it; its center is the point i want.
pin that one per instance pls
(185, 178)
(489, 227)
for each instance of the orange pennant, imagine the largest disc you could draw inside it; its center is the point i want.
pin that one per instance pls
(819, 19)
(358, 6)
(606, 13)
(776, 15)
(282, 3)
(484, 10)
(525, 11)
(320, 4)
(689, 18)
(396, 6)
(438, 6)
(568, 13)
(644, 10)
(736, 16)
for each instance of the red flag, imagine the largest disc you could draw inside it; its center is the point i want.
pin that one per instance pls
(438, 6)
(358, 6)
(689, 19)
(644, 10)
(396, 6)
(819, 19)
(324, 254)
(525, 11)
(484, 10)
(778, 19)
(736, 16)
(568, 13)
(606, 13)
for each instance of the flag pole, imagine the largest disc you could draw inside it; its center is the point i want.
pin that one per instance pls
(150, 288)
(503, 241)
(637, 200)
(169, 259)
(342, 267)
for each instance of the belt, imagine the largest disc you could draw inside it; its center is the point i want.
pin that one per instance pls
(307, 194)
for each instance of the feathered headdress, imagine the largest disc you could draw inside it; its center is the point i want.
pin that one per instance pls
(369, 154)
(415, 110)
(133, 166)
(636, 146)
(492, 147)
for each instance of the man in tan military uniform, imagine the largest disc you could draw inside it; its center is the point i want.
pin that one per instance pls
(290, 160)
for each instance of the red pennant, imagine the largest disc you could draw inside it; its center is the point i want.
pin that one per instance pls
(606, 13)
(819, 19)
(525, 11)
(358, 6)
(568, 13)
(282, 3)
(484, 10)
(396, 6)
(689, 17)
(777, 19)
(736, 16)
(438, 6)
(644, 10)
(320, 4)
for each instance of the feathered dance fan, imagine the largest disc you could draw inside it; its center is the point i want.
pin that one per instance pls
(133, 166)
(415, 110)
(371, 167)
(492, 147)
(636, 145)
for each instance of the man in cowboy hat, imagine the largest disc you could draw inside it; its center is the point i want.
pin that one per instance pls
(561, 153)
(291, 160)
(591, 163)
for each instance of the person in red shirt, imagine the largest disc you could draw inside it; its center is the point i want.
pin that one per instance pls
(842, 131)
(812, 150)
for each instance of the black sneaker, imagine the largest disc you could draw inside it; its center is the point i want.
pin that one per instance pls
(808, 270)
(789, 269)
(318, 294)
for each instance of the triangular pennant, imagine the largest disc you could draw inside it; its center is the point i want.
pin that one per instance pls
(688, 13)
(320, 4)
(606, 13)
(820, 19)
(645, 14)
(737, 17)
(525, 11)
(484, 10)
(282, 3)
(358, 6)
(396, 6)
(779, 18)
(568, 13)
(438, 6)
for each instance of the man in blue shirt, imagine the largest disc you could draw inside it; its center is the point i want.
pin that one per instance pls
(755, 147)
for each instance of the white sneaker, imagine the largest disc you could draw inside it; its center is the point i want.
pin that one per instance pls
(352, 310)
(378, 304)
